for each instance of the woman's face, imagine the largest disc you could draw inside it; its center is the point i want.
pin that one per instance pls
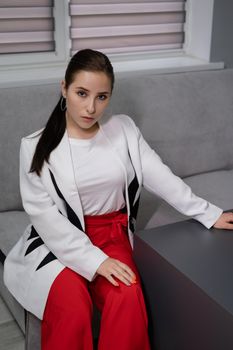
(86, 99)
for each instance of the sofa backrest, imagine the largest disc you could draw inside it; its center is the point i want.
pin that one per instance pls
(186, 117)
(22, 111)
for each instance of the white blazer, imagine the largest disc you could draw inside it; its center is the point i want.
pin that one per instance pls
(56, 236)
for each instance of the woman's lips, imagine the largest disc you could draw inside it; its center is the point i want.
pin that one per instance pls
(87, 119)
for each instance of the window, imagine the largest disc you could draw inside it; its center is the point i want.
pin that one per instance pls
(121, 27)
(26, 26)
(156, 34)
(58, 20)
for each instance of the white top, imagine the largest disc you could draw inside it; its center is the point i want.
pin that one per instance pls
(99, 175)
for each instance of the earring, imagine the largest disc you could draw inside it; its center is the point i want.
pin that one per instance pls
(63, 104)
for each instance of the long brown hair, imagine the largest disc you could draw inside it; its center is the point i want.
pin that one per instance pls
(83, 60)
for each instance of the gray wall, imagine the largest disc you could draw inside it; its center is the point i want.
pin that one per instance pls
(221, 46)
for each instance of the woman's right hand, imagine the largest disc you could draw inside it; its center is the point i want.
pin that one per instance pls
(111, 268)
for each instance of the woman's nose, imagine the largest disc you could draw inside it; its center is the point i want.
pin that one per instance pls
(91, 106)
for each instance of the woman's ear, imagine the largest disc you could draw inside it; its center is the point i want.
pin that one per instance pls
(63, 88)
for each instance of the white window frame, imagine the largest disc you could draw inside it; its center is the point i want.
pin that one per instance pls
(45, 66)
(49, 67)
(196, 51)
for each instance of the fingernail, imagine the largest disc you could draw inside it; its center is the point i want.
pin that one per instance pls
(134, 281)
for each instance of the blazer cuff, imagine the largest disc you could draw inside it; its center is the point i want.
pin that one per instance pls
(98, 258)
(209, 218)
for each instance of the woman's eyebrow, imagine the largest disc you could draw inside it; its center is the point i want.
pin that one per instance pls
(99, 93)
(104, 93)
(82, 88)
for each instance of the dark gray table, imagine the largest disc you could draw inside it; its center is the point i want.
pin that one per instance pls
(187, 274)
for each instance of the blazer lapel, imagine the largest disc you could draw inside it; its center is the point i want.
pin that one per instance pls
(121, 146)
(117, 144)
(61, 166)
(125, 147)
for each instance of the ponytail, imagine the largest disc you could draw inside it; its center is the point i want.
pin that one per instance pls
(50, 138)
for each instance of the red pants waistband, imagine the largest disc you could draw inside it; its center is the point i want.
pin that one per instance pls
(109, 218)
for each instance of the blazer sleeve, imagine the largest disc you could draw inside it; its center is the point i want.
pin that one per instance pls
(70, 245)
(160, 180)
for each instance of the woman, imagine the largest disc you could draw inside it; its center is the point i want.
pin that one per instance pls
(80, 180)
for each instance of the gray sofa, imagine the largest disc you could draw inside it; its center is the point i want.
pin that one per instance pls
(187, 118)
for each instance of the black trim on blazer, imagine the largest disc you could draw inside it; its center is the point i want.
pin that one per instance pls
(132, 191)
(73, 218)
(49, 257)
(133, 209)
(2, 257)
(35, 244)
(33, 233)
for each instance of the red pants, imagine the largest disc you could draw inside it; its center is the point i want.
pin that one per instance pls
(67, 322)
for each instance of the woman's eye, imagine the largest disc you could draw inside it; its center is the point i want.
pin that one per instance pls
(102, 97)
(81, 93)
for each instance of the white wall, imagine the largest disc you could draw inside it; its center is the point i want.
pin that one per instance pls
(222, 31)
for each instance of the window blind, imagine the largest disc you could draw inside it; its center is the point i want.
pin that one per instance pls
(26, 26)
(132, 26)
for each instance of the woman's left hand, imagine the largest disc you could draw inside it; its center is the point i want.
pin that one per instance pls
(225, 221)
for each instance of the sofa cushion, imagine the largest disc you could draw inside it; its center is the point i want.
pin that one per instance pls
(15, 308)
(12, 226)
(33, 332)
(216, 187)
